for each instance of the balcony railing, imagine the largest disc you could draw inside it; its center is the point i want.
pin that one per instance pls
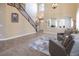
(21, 9)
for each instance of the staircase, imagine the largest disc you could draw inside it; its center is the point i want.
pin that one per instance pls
(21, 9)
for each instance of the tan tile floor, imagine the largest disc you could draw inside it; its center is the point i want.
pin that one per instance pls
(19, 46)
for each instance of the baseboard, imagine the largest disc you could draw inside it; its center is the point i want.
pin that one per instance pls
(9, 38)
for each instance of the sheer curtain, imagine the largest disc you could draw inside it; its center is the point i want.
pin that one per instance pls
(77, 20)
(31, 9)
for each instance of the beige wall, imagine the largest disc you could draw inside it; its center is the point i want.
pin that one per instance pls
(15, 29)
(23, 27)
(61, 11)
(2, 21)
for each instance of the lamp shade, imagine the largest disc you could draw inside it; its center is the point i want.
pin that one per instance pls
(40, 15)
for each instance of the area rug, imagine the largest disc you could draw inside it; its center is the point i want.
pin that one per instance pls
(41, 44)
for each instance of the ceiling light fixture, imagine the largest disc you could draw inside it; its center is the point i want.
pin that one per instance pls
(54, 5)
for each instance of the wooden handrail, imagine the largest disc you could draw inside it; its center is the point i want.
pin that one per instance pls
(24, 13)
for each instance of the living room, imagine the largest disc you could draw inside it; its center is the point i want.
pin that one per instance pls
(27, 28)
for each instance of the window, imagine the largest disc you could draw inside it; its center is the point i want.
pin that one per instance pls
(41, 7)
(61, 23)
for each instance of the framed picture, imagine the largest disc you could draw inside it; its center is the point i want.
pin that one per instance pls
(14, 18)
